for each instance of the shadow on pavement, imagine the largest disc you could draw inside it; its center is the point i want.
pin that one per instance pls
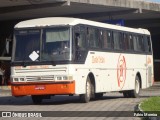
(55, 100)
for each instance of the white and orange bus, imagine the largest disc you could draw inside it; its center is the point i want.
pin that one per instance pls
(70, 56)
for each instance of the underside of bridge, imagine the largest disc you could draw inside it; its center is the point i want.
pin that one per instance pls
(137, 14)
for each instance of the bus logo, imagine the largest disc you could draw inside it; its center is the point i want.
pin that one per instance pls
(121, 71)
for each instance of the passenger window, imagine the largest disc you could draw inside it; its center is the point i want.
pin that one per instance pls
(80, 42)
(117, 37)
(141, 43)
(94, 38)
(138, 43)
(106, 37)
(80, 38)
(147, 44)
(135, 43)
(128, 42)
(126, 39)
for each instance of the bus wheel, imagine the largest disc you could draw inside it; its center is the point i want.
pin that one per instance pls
(136, 91)
(85, 98)
(98, 95)
(37, 99)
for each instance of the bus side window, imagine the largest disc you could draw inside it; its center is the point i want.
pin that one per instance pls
(106, 37)
(147, 44)
(121, 42)
(80, 42)
(135, 43)
(141, 43)
(94, 38)
(138, 43)
(117, 40)
(130, 42)
(125, 38)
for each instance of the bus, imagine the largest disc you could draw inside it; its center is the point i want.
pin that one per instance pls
(72, 56)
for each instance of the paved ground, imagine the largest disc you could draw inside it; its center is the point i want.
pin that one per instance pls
(110, 102)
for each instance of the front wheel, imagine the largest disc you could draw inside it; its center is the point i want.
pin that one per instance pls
(85, 98)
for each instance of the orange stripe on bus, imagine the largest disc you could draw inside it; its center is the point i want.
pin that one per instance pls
(43, 89)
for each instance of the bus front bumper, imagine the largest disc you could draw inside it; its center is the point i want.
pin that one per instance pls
(60, 88)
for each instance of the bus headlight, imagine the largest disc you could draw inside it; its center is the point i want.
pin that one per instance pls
(59, 78)
(67, 78)
(21, 79)
(64, 78)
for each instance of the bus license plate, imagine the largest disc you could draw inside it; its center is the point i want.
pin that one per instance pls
(39, 87)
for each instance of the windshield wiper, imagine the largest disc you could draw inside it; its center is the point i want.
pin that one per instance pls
(24, 64)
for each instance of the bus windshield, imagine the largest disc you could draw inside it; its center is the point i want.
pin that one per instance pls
(47, 44)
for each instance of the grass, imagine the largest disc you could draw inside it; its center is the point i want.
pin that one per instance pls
(151, 105)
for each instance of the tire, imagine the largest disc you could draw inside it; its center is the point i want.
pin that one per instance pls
(98, 95)
(85, 98)
(136, 91)
(37, 99)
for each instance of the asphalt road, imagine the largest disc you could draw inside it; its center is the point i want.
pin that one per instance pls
(109, 107)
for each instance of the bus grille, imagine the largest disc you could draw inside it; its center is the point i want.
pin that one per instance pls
(39, 78)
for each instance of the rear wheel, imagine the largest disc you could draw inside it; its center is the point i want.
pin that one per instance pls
(136, 91)
(87, 96)
(37, 99)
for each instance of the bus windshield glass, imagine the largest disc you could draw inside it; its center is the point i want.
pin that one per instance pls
(56, 44)
(26, 42)
(47, 44)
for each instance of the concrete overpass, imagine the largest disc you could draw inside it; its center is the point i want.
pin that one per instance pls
(136, 13)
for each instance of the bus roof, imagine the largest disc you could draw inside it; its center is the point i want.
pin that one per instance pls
(61, 21)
